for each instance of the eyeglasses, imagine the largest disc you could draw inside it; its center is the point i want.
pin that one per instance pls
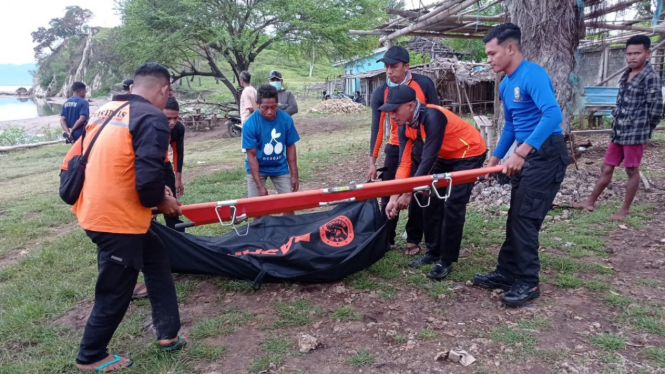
(275, 80)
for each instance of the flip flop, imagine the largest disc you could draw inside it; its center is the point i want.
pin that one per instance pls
(141, 292)
(410, 247)
(116, 359)
(180, 344)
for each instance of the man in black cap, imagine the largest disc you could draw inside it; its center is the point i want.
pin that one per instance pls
(286, 100)
(396, 61)
(127, 86)
(451, 144)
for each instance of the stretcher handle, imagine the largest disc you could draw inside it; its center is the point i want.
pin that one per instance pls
(184, 225)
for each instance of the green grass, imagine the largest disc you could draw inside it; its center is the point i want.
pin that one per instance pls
(428, 334)
(347, 313)
(536, 323)
(520, 340)
(276, 349)
(648, 282)
(224, 324)
(568, 281)
(657, 355)
(361, 359)
(202, 351)
(611, 342)
(646, 317)
(399, 339)
(296, 313)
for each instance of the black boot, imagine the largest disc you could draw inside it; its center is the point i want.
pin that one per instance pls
(425, 260)
(440, 270)
(520, 293)
(493, 280)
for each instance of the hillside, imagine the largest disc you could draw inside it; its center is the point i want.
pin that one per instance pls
(87, 58)
(16, 75)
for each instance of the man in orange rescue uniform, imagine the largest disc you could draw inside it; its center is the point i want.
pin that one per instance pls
(434, 140)
(124, 178)
(396, 61)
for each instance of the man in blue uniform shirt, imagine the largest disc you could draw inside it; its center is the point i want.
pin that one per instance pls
(75, 113)
(537, 167)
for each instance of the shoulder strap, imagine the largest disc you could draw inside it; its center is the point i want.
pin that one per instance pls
(84, 160)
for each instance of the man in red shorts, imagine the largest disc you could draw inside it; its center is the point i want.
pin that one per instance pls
(639, 110)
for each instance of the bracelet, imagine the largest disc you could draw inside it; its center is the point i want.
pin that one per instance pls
(520, 156)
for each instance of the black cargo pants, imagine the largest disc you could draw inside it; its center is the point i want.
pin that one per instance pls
(533, 191)
(444, 219)
(414, 225)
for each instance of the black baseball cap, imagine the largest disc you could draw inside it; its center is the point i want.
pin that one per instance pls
(275, 74)
(398, 96)
(394, 55)
(126, 83)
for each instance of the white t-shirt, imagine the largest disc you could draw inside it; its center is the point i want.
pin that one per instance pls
(247, 103)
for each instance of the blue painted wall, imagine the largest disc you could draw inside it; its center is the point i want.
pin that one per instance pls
(358, 66)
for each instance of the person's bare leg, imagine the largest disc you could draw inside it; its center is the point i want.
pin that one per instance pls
(631, 190)
(606, 172)
(113, 367)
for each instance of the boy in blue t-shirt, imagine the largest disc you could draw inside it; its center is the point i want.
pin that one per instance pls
(270, 137)
(75, 113)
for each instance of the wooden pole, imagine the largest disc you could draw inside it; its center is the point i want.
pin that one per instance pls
(606, 61)
(26, 146)
(620, 71)
(605, 131)
(424, 34)
(603, 25)
(612, 9)
(425, 20)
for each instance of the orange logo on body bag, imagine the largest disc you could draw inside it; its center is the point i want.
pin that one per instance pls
(337, 232)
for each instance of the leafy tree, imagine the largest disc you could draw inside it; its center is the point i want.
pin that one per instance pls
(73, 23)
(183, 33)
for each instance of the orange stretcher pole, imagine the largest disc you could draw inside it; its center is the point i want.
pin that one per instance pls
(227, 212)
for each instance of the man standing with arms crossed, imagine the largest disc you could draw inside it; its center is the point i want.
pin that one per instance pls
(396, 61)
(639, 110)
(537, 166)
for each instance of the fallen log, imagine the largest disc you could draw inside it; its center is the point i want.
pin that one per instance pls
(32, 145)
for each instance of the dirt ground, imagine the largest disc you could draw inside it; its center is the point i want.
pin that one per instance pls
(404, 328)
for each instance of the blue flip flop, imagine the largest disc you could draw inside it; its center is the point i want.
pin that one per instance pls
(180, 344)
(116, 359)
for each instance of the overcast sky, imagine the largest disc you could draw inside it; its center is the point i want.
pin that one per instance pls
(21, 17)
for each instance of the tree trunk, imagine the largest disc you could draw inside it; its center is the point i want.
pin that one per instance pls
(551, 31)
(311, 65)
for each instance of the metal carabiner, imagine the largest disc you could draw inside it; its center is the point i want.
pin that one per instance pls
(422, 191)
(231, 223)
(449, 188)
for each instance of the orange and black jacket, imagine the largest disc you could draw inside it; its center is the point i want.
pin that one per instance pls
(124, 176)
(177, 143)
(425, 92)
(441, 134)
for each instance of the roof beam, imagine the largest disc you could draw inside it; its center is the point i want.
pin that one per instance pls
(416, 33)
(431, 20)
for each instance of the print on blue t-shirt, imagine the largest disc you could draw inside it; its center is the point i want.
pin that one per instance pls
(270, 138)
(72, 110)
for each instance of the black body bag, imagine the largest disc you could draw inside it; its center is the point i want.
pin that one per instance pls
(309, 248)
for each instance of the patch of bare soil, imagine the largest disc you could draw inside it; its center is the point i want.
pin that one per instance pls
(311, 126)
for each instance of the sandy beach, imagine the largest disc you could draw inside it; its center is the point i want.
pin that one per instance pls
(34, 125)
